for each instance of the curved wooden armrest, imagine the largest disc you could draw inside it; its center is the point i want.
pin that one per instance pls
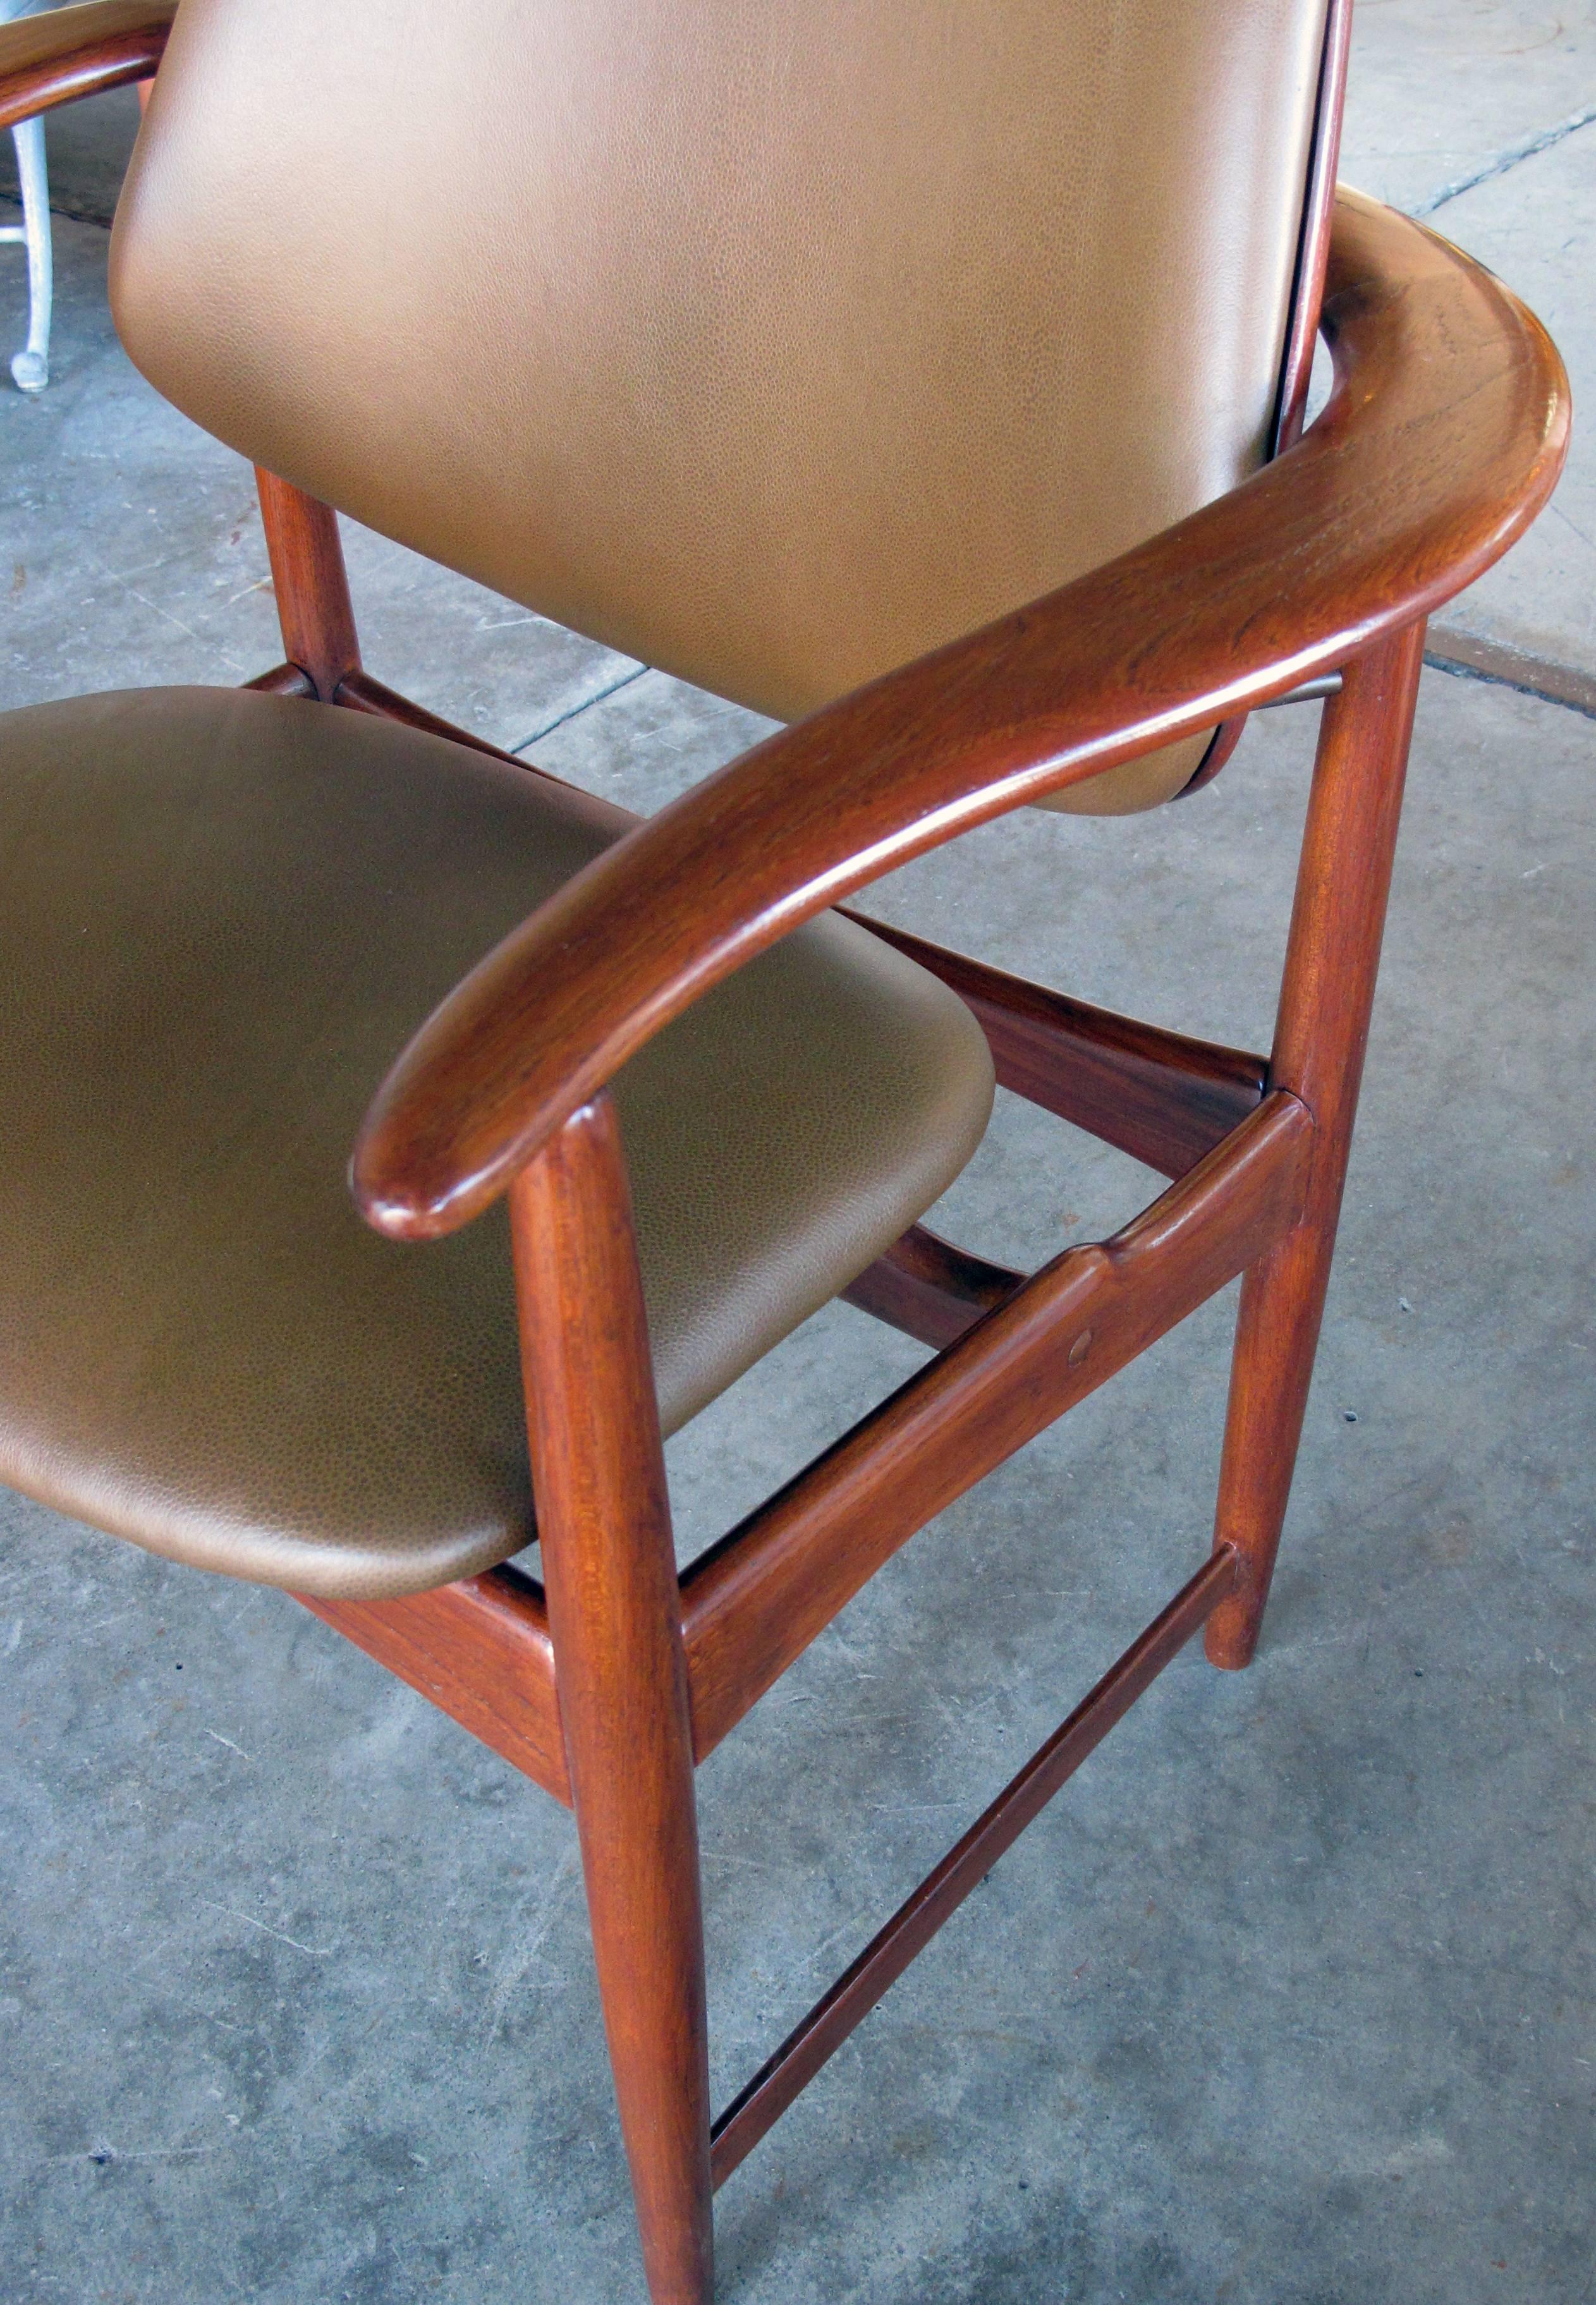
(1444, 435)
(50, 60)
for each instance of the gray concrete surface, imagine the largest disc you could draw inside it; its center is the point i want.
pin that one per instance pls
(1288, 2000)
(87, 145)
(1445, 99)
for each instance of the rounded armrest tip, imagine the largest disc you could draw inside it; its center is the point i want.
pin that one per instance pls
(404, 1209)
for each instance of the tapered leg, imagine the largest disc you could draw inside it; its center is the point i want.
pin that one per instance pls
(1327, 994)
(615, 1618)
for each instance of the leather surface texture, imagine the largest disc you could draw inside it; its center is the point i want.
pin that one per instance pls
(222, 915)
(771, 342)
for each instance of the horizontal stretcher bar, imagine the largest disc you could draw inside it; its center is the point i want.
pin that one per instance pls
(941, 1893)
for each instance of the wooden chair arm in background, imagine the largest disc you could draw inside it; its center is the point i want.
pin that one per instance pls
(50, 60)
(1443, 437)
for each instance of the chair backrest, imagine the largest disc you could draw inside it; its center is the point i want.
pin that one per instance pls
(773, 342)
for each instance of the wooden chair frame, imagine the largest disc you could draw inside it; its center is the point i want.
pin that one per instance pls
(1444, 435)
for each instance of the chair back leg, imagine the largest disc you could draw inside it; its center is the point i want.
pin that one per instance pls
(1326, 998)
(615, 1618)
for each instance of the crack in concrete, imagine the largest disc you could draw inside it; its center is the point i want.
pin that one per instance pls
(576, 710)
(1527, 147)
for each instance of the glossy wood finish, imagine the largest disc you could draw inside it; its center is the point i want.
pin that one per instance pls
(643, 1676)
(755, 1601)
(1326, 995)
(317, 615)
(1262, 1200)
(283, 680)
(939, 1896)
(1444, 436)
(481, 1651)
(73, 52)
(311, 587)
(1160, 1096)
(929, 1289)
(605, 1524)
(1318, 208)
(1163, 1098)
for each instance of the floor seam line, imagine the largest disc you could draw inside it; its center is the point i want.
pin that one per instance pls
(576, 710)
(1526, 149)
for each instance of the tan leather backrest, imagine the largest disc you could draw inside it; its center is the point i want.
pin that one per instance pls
(770, 340)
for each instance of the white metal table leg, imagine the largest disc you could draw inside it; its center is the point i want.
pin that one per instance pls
(31, 367)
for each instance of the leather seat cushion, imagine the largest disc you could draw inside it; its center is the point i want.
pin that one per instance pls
(222, 914)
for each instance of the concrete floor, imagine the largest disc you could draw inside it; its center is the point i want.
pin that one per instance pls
(1287, 2000)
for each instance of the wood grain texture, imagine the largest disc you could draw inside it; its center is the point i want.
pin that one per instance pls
(480, 1650)
(929, 1289)
(73, 52)
(754, 1602)
(1444, 436)
(311, 586)
(1326, 998)
(614, 1612)
(1159, 1096)
(939, 1896)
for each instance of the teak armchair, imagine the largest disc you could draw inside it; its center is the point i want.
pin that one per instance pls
(1100, 537)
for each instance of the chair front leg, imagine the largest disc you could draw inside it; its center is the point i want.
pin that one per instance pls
(1326, 995)
(615, 1618)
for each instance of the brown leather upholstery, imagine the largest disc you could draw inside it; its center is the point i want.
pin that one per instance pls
(221, 916)
(772, 341)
